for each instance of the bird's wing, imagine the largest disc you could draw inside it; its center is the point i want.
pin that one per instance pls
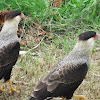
(64, 73)
(9, 53)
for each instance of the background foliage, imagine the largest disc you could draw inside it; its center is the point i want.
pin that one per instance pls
(86, 11)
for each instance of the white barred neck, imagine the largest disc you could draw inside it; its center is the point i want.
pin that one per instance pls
(85, 45)
(83, 48)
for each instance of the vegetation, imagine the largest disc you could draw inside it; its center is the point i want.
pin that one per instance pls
(61, 26)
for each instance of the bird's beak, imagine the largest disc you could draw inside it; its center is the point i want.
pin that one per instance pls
(21, 15)
(97, 36)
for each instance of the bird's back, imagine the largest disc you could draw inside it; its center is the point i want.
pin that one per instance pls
(63, 80)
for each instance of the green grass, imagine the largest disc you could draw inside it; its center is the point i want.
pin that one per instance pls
(77, 16)
(71, 12)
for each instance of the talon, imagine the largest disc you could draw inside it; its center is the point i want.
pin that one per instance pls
(2, 90)
(80, 97)
(12, 89)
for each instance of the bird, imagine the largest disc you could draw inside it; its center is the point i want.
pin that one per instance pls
(69, 73)
(9, 46)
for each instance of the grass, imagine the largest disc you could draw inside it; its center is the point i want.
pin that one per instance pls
(77, 16)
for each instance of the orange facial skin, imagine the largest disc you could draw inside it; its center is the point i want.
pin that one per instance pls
(21, 15)
(96, 36)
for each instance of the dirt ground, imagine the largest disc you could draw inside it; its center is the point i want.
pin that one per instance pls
(24, 81)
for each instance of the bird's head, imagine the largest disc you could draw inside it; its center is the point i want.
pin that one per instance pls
(12, 20)
(88, 38)
(14, 16)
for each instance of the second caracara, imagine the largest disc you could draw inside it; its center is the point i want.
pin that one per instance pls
(9, 45)
(69, 73)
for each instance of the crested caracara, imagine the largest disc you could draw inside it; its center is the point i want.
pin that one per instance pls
(9, 45)
(69, 73)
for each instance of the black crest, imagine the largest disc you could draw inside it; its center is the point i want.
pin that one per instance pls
(12, 14)
(87, 35)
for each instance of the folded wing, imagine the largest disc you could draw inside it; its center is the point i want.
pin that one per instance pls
(64, 74)
(8, 56)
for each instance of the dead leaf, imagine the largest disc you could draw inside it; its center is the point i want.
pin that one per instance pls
(38, 39)
(50, 37)
(20, 30)
(42, 33)
(34, 35)
(38, 26)
(23, 43)
(57, 3)
(40, 30)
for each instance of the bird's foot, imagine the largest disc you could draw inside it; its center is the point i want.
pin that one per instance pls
(2, 90)
(13, 90)
(63, 98)
(81, 97)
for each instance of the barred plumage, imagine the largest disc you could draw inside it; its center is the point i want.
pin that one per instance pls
(68, 73)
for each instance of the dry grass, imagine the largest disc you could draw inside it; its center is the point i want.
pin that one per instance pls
(76, 18)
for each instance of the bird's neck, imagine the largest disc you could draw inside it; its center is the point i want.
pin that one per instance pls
(9, 30)
(8, 25)
(81, 50)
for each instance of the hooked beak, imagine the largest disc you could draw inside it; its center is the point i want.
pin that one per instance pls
(21, 15)
(97, 36)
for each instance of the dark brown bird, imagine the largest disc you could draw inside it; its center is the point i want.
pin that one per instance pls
(69, 73)
(9, 45)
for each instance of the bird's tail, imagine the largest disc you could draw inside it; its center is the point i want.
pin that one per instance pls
(32, 98)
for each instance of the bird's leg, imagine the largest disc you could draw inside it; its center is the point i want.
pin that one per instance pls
(2, 90)
(63, 98)
(12, 89)
(80, 97)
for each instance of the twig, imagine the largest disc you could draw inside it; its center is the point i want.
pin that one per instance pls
(23, 53)
(36, 45)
